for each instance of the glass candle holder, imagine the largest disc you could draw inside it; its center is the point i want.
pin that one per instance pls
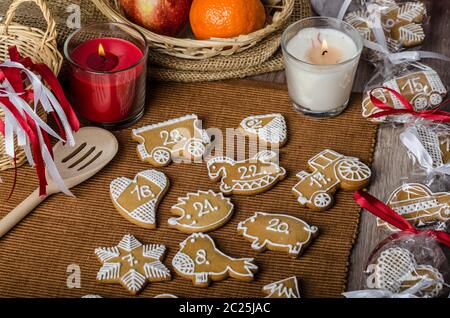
(321, 57)
(107, 75)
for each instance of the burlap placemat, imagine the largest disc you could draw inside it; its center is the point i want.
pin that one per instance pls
(34, 256)
(262, 58)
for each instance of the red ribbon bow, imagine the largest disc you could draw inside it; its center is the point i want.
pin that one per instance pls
(14, 76)
(384, 212)
(430, 114)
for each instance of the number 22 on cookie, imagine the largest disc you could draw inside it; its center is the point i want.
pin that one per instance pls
(275, 225)
(249, 172)
(204, 208)
(143, 192)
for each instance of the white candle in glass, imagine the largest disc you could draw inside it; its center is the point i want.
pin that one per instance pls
(321, 64)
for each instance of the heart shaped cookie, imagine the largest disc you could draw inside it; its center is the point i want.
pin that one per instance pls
(137, 200)
(396, 270)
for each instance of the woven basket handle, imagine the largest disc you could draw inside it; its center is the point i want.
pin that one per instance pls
(50, 33)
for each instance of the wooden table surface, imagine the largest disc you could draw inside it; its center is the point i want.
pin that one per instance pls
(391, 164)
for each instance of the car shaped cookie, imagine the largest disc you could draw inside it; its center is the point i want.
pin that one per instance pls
(423, 89)
(329, 171)
(418, 205)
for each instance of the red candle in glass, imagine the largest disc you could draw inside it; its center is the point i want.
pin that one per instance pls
(107, 80)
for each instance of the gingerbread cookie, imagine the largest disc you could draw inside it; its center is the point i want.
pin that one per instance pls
(137, 200)
(165, 296)
(277, 232)
(286, 288)
(247, 177)
(177, 138)
(418, 205)
(203, 211)
(401, 23)
(396, 270)
(202, 262)
(432, 140)
(132, 264)
(329, 172)
(423, 89)
(269, 128)
(444, 146)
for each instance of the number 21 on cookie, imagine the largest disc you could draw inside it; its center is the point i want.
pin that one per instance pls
(143, 192)
(204, 208)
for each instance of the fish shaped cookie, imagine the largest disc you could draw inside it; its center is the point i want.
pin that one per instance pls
(202, 262)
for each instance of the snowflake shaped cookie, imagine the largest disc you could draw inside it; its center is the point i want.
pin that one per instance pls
(132, 264)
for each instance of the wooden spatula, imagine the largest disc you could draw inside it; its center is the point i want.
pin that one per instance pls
(94, 149)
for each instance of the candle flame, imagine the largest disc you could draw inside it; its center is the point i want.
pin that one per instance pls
(101, 50)
(324, 45)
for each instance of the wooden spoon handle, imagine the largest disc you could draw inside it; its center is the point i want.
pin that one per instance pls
(20, 212)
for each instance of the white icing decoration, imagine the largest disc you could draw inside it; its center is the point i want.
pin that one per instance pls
(275, 132)
(129, 243)
(150, 269)
(106, 253)
(145, 213)
(419, 199)
(280, 289)
(433, 86)
(246, 229)
(172, 142)
(185, 201)
(109, 271)
(218, 169)
(133, 280)
(347, 169)
(186, 265)
(397, 265)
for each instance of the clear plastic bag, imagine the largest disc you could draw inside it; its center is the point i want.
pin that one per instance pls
(420, 84)
(409, 265)
(428, 145)
(391, 25)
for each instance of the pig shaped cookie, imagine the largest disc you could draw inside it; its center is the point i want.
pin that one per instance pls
(277, 232)
(247, 177)
(202, 262)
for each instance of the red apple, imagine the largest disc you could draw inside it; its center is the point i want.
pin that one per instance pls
(166, 17)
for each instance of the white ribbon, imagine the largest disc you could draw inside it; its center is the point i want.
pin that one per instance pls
(43, 96)
(374, 23)
(411, 292)
(344, 9)
(412, 142)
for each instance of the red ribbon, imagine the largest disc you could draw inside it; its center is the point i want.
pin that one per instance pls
(430, 114)
(14, 76)
(384, 212)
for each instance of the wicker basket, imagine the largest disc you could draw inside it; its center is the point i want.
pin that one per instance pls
(39, 45)
(278, 11)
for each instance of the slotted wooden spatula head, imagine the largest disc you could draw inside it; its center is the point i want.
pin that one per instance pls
(94, 149)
